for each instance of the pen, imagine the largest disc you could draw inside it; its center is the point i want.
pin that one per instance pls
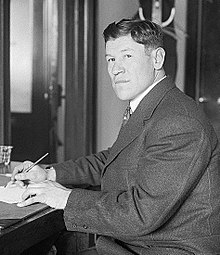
(35, 163)
(27, 169)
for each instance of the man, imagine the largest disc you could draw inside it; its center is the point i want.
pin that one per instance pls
(160, 181)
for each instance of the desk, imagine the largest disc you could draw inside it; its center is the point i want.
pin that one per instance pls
(32, 224)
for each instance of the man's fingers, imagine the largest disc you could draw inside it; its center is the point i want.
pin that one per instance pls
(38, 185)
(20, 183)
(30, 193)
(31, 199)
(21, 176)
(27, 202)
(18, 169)
(11, 184)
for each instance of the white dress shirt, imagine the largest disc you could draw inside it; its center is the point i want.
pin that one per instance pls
(135, 102)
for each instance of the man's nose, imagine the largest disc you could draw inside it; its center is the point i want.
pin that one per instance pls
(118, 68)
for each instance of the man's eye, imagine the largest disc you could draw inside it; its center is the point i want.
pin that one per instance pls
(128, 56)
(110, 59)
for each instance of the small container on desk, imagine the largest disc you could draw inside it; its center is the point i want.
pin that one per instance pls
(5, 154)
(5, 158)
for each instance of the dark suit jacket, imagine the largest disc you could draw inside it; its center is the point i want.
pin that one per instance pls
(160, 182)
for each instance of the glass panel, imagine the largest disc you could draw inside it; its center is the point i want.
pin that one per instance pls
(21, 36)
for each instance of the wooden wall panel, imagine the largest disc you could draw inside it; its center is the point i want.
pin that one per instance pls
(80, 123)
(5, 135)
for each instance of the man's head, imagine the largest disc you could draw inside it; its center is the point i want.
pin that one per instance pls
(142, 31)
(134, 55)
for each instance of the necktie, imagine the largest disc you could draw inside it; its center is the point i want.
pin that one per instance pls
(126, 115)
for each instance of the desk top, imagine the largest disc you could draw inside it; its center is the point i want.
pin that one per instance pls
(11, 213)
(22, 228)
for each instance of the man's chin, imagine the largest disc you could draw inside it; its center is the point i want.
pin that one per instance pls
(123, 97)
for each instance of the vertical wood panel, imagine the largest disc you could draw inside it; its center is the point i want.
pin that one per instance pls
(80, 78)
(191, 48)
(5, 135)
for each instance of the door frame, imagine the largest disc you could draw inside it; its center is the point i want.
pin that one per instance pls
(81, 60)
(30, 130)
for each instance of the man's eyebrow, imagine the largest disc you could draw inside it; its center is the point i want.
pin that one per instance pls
(124, 50)
(127, 49)
(109, 56)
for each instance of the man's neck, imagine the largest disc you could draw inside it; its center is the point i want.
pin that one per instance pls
(135, 102)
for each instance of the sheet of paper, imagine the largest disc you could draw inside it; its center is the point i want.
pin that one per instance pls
(11, 195)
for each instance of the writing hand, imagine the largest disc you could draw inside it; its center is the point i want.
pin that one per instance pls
(47, 192)
(36, 174)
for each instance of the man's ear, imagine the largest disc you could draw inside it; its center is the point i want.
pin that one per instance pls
(158, 58)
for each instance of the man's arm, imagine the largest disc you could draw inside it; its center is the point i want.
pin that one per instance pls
(175, 156)
(85, 170)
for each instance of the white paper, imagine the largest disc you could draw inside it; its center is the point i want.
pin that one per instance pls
(11, 195)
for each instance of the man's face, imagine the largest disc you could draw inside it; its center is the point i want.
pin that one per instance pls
(131, 69)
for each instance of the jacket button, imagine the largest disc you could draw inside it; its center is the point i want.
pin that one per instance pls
(85, 227)
(74, 225)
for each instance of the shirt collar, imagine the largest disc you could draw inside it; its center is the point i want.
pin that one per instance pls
(135, 102)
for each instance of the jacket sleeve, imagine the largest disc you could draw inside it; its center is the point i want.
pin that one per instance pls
(83, 171)
(173, 158)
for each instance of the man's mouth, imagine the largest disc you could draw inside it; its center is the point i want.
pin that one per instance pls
(121, 81)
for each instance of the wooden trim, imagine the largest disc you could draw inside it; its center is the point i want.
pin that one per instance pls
(5, 134)
(191, 48)
(80, 120)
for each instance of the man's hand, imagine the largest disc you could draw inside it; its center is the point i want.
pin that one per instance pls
(47, 192)
(36, 174)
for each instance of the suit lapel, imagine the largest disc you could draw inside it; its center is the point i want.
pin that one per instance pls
(137, 120)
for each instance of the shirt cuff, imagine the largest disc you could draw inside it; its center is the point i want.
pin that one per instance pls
(51, 173)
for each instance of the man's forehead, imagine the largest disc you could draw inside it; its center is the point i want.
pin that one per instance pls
(123, 43)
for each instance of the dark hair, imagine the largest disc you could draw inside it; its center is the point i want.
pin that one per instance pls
(144, 32)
